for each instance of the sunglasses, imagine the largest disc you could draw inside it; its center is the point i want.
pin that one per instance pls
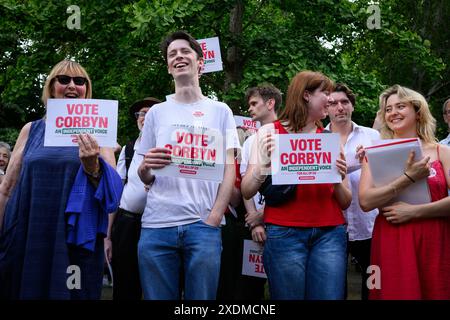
(63, 79)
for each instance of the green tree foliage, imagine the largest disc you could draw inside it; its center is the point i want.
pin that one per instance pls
(261, 41)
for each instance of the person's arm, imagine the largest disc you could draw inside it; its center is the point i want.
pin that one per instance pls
(12, 174)
(107, 241)
(121, 167)
(89, 152)
(403, 212)
(236, 197)
(224, 192)
(259, 164)
(342, 191)
(371, 197)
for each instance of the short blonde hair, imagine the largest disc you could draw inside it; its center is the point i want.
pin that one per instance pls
(64, 67)
(425, 124)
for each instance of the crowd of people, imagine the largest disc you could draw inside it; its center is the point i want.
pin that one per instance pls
(64, 211)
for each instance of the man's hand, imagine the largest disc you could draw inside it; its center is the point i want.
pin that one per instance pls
(259, 234)
(108, 249)
(254, 218)
(156, 158)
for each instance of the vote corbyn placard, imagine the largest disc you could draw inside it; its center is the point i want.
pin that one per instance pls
(68, 117)
(246, 123)
(211, 54)
(196, 152)
(252, 260)
(305, 159)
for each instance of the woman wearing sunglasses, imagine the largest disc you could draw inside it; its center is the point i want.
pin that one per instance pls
(35, 260)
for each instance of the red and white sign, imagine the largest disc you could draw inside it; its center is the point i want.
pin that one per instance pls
(196, 152)
(252, 263)
(67, 118)
(246, 123)
(211, 54)
(305, 159)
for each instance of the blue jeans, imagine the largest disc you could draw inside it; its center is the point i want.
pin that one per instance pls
(192, 250)
(306, 263)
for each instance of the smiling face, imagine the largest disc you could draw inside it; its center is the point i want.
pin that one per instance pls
(4, 158)
(340, 108)
(317, 102)
(70, 90)
(182, 60)
(400, 116)
(54, 88)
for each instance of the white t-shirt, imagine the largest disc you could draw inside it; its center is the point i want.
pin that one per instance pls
(178, 201)
(245, 158)
(134, 195)
(359, 223)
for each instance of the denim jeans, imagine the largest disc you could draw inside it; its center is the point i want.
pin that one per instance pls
(192, 250)
(306, 263)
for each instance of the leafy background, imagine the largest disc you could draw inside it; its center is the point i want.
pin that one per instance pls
(261, 41)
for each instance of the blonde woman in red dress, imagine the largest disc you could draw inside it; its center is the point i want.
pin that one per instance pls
(410, 242)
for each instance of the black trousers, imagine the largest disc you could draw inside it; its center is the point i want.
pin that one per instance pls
(232, 284)
(125, 234)
(360, 250)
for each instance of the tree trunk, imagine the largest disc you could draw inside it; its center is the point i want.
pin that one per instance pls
(234, 61)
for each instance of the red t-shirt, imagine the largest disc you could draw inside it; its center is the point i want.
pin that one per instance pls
(314, 205)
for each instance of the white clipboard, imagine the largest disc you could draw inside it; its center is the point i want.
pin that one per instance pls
(387, 160)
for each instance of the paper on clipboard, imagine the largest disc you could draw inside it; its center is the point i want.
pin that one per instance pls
(387, 160)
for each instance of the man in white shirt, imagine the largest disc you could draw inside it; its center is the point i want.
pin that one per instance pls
(126, 228)
(181, 222)
(359, 223)
(263, 103)
(446, 115)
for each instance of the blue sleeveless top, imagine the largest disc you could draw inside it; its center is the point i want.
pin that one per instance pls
(34, 256)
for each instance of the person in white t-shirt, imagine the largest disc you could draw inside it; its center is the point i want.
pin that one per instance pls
(263, 103)
(126, 228)
(181, 221)
(359, 223)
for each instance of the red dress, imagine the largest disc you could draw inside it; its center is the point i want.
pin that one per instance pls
(414, 258)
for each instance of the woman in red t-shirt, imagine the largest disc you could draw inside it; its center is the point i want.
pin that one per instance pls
(410, 255)
(305, 247)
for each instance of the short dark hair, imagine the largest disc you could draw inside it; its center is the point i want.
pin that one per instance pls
(340, 87)
(181, 35)
(266, 91)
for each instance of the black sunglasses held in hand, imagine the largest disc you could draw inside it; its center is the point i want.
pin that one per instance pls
(63, 79)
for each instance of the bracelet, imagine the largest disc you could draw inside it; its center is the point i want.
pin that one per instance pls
(258, 179)
(94, 174)
(412, 180)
